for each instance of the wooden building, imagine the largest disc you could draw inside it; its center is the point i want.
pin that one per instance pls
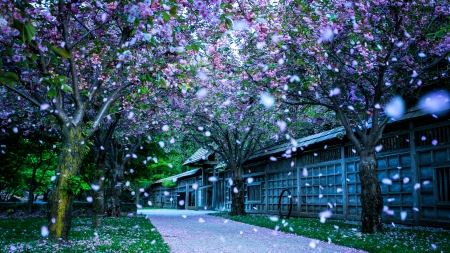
(322, 173)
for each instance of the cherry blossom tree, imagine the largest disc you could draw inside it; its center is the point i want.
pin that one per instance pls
(359, 59)
(64, 57)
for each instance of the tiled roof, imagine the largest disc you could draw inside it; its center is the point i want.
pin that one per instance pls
(305, 141)
(200, 154)
(413, 112)
(176, 177)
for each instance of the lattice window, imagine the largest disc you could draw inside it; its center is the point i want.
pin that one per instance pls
(228, 193)
(321, 156)
(254, 193)
(396, 142)
(254, 169)
(427, 137)
(443, 184)
(391, 143)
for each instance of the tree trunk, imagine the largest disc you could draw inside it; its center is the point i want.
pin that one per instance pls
(61, 198)
(238, 196)
(98, 206)
(31, 190)
(114, 190)
(137, 192)
(371, 200)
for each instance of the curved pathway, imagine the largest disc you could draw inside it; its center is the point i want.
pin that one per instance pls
(195, 231)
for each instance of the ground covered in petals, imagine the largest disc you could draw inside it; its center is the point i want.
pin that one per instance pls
(394, 238)
(126, 234)
(190, 231)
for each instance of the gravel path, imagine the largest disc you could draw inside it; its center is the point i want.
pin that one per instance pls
(191, 231)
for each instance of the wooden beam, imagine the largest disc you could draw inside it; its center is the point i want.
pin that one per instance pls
(344, 183)
(415, 173)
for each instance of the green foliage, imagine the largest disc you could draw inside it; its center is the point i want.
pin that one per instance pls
(24, 156)
(117, 235)
(169, 183)
(73, 185)
(347, 234)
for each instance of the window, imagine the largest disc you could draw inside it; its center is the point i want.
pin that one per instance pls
(443, 184)
(254, 193)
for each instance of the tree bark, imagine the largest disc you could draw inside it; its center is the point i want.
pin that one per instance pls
(61, 198)
(371, 199)
(136, 191)
(98, 206)
(31, 191)
(114, 190)
(238, 196)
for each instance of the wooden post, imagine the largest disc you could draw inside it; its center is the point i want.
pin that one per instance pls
(299, 197)
(415, 173)
(203, 190)
(186, 201)
(344, 183)
(266, 180)
(196, 200)
(136, 191)
(214, 191)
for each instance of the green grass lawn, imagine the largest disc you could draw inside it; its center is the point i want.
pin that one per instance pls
(126, 234)
(392, 239)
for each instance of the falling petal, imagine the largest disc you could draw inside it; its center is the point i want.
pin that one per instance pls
(436, 102)
(403, 215)
(395, 108)
(416, 186)
(260, 45)
(326, 34)
(212, 179)
(44, 231)
(386, 181)
(165, 128)
(282, 125)
(305, 172)
(95, 187)
(240, 25)
(201, 220)
(104, 17)
(201, 93)
(273, 218)
(89, 199)
(44, 106)
(325, 215)
(250, 180)
(194, 186)
(379, 148)
(267, 100)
